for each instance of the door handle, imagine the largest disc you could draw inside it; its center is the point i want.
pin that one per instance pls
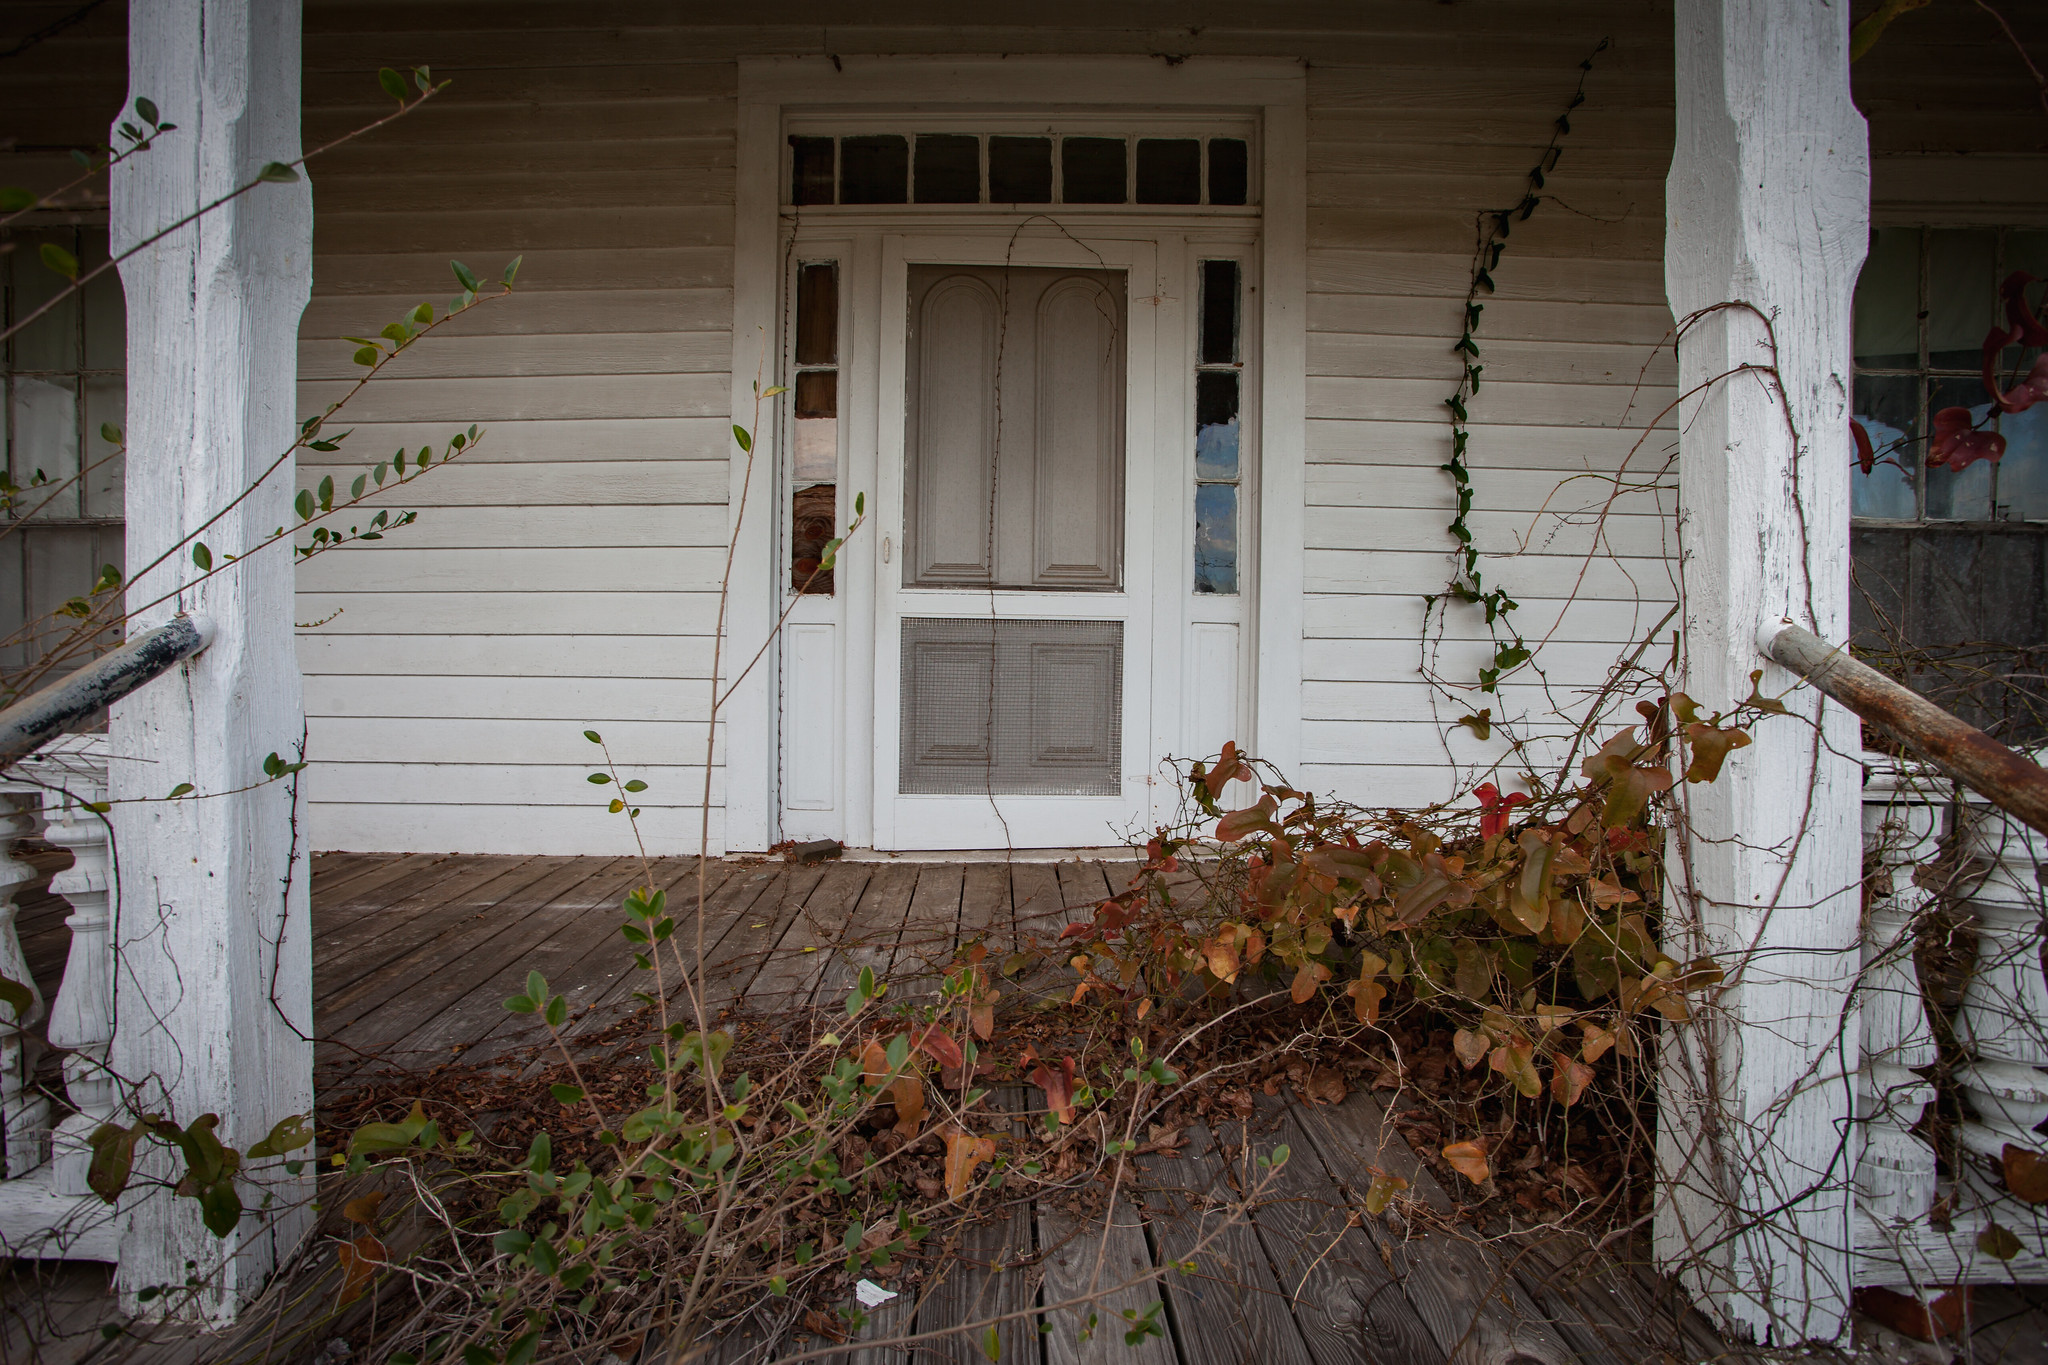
(885, 549)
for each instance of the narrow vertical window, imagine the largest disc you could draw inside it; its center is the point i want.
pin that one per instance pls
(814, 462)
(1219, 405)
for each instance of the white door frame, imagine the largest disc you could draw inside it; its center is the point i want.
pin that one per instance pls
(771, 90)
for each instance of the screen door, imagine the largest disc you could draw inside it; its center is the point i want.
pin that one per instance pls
(1014, 650)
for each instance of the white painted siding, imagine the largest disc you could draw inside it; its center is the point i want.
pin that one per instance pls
(563, 576)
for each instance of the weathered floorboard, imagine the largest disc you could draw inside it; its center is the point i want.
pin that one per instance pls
(1071, 1249)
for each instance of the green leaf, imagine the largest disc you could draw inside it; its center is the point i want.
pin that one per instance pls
(303, 504)
(423, 78)
(355, 490)
(393, 83)
(599, 779)
(860, 504)
(179, 791)
(277, 173)
(636, 785)
(523, 1350)
(512, 271)
(110, 433)
(1998, 1241)
(423, 314)
(220, 1208)
(368, 355)
(536, 985)
(327, 493)
(60, 260)
(14, 200)
(202, 556)
(558, 1011)
(286, 1135)
(113, 1158)
(991, 1344)
(147, 108)
(463, 276)
(474, 1354)
(520, 1004)
(567, 1094)
(739, 433)
(593, 736)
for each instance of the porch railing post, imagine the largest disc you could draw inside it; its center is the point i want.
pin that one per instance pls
(1766, 221)
(212, 982)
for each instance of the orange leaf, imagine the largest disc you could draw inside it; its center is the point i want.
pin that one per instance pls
(908, 1094)
(1306, 978)
(1517, 1062)
(964, 1152)
(1365, 998)
(874, 1063)
(1058, 1087)
(359, 1262)
(1569, 1081)
(981, 1017)
(1469, 1160)
(1598, 1040)
(363, 1209)
(1222, 958)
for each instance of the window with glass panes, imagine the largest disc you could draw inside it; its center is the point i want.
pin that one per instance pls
(64, 380)
(1924, 302)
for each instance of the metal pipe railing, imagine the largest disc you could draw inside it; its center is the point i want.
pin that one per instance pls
(2006, 778)
(37, 719)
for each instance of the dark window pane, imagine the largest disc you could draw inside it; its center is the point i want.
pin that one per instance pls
(1888, 406)
(1219, 312)
(1020, 170)
(1888, 301)
(1093, 169)
(1961, 297)
(817, 393)
(817, 314)
(810, 532)
(948, 168)
(1229, 170)
(1169, 170)
(810, 176)
(874, 169)
(1216, 538)
(1216, 424)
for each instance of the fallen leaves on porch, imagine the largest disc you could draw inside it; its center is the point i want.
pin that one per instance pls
(2026, 1174)
(965, 1152)
(359, 1260)
(1469, 1160)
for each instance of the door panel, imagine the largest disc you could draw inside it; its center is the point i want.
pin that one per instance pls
(1077, 507)
(953, 427)
(1016, 408)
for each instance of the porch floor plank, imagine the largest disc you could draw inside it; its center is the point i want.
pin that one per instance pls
(416, 953)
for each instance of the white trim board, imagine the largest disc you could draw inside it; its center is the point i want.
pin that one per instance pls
(773, 90)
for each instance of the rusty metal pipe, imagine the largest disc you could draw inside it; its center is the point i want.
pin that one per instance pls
(2008, 779)
(37, 719)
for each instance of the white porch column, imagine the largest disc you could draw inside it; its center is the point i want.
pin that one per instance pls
(212, 991)
(1767, 205)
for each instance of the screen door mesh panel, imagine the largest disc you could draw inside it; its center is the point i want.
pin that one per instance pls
(1012, 708)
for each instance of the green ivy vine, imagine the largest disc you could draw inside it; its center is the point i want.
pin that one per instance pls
(1467, 583)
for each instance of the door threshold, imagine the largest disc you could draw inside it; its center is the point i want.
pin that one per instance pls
(1113, 853)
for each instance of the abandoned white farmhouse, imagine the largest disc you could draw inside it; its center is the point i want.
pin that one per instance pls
(1130, 326)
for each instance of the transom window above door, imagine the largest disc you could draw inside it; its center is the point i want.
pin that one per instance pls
(1180, 166)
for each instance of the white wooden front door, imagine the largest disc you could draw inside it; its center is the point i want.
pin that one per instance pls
(1014, 631)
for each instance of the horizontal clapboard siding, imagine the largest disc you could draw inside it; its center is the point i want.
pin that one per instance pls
(564, 573)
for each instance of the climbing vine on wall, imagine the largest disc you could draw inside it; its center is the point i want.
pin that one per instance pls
(1467, 583)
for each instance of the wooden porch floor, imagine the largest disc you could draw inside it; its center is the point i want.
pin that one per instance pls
(414, 954)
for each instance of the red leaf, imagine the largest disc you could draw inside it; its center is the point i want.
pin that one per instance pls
(1866, 453)
(1958, 445)
(1239, 823)
(1058, 1087)
(938, 1044)
(359, 1261)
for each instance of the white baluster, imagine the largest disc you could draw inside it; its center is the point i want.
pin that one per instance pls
(2004, 1014)
(1895, 1175)
(24, 1113)
(82, 1019)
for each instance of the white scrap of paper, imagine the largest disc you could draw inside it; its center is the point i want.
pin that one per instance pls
(872, 1295)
